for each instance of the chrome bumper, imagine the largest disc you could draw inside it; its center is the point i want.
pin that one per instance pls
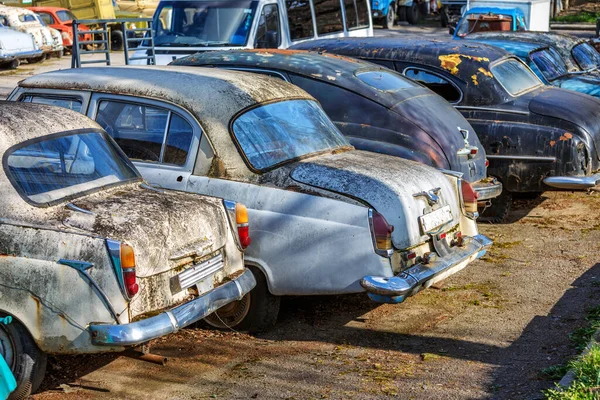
(572, 182)
(171, 321)
(420, 276)
(21, 55)
(487, 190)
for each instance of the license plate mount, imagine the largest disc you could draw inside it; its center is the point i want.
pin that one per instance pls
(432, 221)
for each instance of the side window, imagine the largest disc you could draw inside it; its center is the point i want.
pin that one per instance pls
(72, 103)
(329, 16)
(268, 33)
(299, 19)
(436, 83)
(26, 18)
(47, 18)
(146, 133)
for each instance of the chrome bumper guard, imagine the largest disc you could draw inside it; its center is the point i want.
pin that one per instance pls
(21, 55)
(487, 190)
(572, 182)
(410, 281)
(171, 321)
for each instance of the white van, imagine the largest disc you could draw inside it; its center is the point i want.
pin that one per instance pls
(183, 27)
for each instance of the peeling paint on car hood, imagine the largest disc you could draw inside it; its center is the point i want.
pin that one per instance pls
(385, 183)
(159, 226)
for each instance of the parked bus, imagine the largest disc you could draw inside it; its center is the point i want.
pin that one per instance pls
(183, 27)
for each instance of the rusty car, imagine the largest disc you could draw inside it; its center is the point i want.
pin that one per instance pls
(536, 138)
(577, 53)
(328, 219)
(26, 21)
(93, 259)
(15, 47)
(549, 66)
(376, 109)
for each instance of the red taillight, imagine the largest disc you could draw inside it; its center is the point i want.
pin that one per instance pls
(442, 236)
(241, 218)
(244, 234)
(469, 196)
(474, 150)
(128, 268)
(382, 232)
(487, 163)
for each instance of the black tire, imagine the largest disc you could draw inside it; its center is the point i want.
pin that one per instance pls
(59, 53)
(413, 14)
(390, 18)
(401, 13)
(36, 60)
(499, 210)
(259, 309)
(116, 40)
(14, 64)
(444, 17)
(26, 360)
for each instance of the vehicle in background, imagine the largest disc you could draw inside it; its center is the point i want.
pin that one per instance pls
(186, 27)
(385, 12)
(536, 137)
(327, 219)
(95, 260)
(548, 65)
(61, 19)
(577, 53)
(24, 20)
(58, 47)
(145, 8)
(17, 46)
(492, 15)
(377, 109)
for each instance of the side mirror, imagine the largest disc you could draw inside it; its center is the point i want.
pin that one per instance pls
(272, 39)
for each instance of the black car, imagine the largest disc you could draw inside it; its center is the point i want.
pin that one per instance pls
(377, 109)
(536, 137)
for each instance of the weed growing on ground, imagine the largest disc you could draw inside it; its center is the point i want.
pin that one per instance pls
(586, 385)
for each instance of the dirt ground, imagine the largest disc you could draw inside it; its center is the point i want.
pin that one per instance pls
(487, 333)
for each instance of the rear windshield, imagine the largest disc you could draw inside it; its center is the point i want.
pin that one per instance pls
(488, 22)
(275, 133)
(549, 63)
(515, 77)
(65, 15)
(55, 167)
(586, 56)
(203, 23)
(384, 80)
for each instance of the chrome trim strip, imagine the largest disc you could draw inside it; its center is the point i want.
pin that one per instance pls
(179, 317)
(532, 158)
(78, 209)
(491, 110)
(487, 191)
(197, 272)
(114, 251)
(572, 182)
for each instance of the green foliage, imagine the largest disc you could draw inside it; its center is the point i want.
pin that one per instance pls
(584, 16)
(586, 385)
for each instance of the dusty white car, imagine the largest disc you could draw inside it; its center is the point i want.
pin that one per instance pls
(327, 219)
(26, 21)
(92, 258)
(15, 47)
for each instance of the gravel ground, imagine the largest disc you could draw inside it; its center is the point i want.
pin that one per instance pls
(486, 333)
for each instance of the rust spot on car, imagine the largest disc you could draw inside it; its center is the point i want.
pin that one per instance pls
(451, 62)
(566, 137)
(485, 72)
(474, 78)
(552, 143)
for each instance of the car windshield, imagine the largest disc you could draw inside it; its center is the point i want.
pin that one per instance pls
(203, 23)
(484, 23)
(515, 77)
(549, 63)
(55, 167)
(65, 15)
(40, 20)
(586, 56)
(275, 133)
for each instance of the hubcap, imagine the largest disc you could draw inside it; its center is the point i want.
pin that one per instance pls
(231, 315)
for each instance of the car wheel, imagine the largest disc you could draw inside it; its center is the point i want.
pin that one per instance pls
(36, 60)
(256, 312)
(413, 15)
(116, 40)
(59, 53)
(14, 64)
(388, 22)
(401, 13)
(499, 210)
(26, 361)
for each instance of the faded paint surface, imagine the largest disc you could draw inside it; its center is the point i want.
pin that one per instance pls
(43, 36)
(159, 226)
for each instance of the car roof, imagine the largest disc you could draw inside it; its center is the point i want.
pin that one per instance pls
(520, 48)
(213, 96)
(328, 68)
(51, 9)
(547, 38)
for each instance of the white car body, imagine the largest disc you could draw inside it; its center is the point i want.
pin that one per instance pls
(26, 21)
(16, 46)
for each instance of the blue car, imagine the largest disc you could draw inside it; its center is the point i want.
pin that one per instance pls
(548, 65)
(485, 19)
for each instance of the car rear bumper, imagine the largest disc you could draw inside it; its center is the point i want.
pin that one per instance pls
(21, 55)
(420, 276)
(487, 189)
(171, 321)
(572, 182)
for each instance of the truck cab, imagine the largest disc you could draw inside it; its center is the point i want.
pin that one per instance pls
(490, 19)
(187, 27)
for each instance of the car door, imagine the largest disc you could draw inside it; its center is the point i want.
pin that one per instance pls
(161, 139)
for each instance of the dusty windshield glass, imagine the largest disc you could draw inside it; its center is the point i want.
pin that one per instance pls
(586, 56)
(49, 169)
(65, 15)
(549, 63)
(515, 77)
(203, 23)
(275, 133)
